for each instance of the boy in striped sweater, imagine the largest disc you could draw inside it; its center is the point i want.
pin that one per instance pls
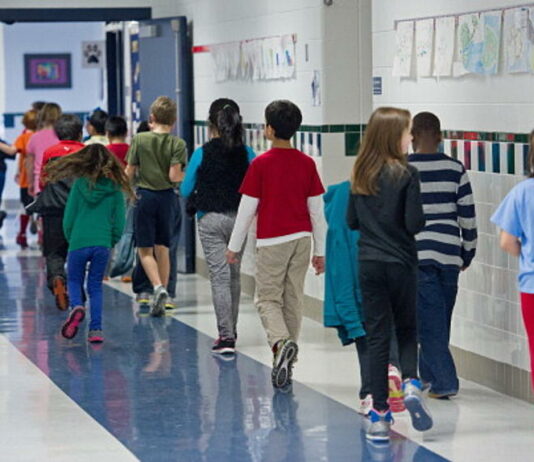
(445, 247)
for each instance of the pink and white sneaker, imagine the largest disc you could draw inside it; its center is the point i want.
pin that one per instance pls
(366, 405)
(396, 396)
(70, 328)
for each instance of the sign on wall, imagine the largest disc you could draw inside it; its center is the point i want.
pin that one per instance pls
(47, 71)
(93, 54)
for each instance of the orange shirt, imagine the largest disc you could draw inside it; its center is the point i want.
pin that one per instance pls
(21, 143)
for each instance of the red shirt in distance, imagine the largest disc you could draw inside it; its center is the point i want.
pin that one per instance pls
(119, 150)
(63, 148)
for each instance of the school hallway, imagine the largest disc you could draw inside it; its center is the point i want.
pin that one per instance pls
(154, 392)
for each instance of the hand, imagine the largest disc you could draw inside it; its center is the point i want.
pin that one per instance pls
(318, 265)
(231, 257)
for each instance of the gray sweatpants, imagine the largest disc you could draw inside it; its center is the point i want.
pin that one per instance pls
(214, 231)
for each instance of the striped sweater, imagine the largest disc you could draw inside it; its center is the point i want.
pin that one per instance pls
(450, 236)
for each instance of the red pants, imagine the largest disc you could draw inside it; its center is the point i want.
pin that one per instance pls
(527, 307)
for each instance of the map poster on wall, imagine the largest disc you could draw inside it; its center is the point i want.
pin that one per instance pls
(516, 42)
(402, 63)
(424, 45)
(444, 46)
(492, 22)
(470, 45)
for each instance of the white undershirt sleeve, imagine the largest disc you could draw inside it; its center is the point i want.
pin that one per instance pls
(316, 209)
(245, 216)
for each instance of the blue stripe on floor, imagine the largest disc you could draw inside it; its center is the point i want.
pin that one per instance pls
(155, 386)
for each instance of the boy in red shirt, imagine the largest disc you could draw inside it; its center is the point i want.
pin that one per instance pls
(285, 190)
(50, 204)
(116, 131)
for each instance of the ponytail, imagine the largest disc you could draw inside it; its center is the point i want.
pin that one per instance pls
(224, 116)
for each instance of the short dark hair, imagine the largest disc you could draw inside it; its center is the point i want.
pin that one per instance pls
(284, 117)
(426, 123)
(68, 127)
(116, 127)
(98, 120)
(143, 127)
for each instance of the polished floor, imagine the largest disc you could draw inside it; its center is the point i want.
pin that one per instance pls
(154, 392)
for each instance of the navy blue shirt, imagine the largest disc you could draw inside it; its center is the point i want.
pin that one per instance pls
(3, 157)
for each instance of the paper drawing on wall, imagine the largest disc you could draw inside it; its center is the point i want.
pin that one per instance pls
(444, 46)
(518, 40)
(424, 44)
(402, 63)
(93, 54)
(492, 22)
(47, 71)
(470, 44)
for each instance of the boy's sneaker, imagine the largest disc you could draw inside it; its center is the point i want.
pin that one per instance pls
(444, 396)
(158, 304)
(22, 241)
(70, 327)
(171, 304)
(381, 423)
(223, 346)
(95, 336)
(366, 404)
(396, 396)
(285, 353)
(413, 400)
(59, 289)
(143, 298)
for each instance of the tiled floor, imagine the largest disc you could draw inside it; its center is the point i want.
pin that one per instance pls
(153, 391)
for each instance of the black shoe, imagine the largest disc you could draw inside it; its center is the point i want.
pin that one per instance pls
(286, 352)
(223, 346)
(3, 216)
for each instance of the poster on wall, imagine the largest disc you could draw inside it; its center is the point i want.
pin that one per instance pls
(47, 71)
(492, 22)
(93, 54)
(516, 41)
(402, 63)
(424, 45)
(470, 39)
(444, 46)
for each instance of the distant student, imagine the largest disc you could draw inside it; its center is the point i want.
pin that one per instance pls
(284, 188)
(50, 204)
(446, 245)
(385, 206)
(213, 176)
(96, 127)
(156, 159)
(93, 224)
(29, 120)
(515, 218)
(116, 132)
(6, 152)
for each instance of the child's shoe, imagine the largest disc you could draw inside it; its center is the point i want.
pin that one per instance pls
(22, 241)
(33, 225)
(126, 279)
(95, 336)
(143, 298)
(366, 405)
(70, 327)
(158, 304)
(285, 352)
(414, 402)
(396, 397)
(171, 304)
(59, 289)
(381, 423)
(224, 346)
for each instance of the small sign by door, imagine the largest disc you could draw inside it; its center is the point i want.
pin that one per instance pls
(93, 54)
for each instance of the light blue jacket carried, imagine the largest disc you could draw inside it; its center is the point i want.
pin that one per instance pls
(343, 301)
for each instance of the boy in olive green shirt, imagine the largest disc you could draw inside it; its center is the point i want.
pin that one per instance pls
(155, 159)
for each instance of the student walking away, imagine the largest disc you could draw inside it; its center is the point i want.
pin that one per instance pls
(116, 132)
(96, 127)
(446, 245)
(515, 218)
(213, 177)
(50, 204)
(156, 159)
(285, 190)
(385, 206)
(6, 152)
(93, 224)
(343, 300)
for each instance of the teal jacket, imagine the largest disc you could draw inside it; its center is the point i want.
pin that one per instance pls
(342, 301)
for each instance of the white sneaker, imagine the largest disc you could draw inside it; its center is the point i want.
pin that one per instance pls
(158, 304)
(366, 405)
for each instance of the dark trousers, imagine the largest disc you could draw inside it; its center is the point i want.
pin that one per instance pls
(389, 293)
(140, 281)
(436, 296)
(55, 248)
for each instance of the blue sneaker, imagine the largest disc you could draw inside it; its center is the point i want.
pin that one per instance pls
(414, 402)
(381, 423)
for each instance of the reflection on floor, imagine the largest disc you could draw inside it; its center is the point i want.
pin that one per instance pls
(154, 392)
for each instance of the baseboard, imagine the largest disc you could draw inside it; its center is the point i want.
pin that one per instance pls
(501, 377)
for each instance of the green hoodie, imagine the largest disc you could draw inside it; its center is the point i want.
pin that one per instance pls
(94, 215)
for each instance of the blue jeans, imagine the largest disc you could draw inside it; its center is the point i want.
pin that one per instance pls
(77, 260)
(435, 303)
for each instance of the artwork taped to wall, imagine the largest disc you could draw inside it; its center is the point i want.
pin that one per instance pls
(93, 54)
(444, 46)
(470, 39)
(271, 58)
(402, 63)
(47, 71)
(424, 46)
(517, 40)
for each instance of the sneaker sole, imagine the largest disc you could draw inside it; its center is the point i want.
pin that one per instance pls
(158, 309)
(224, 351)
(377, 439)
(421, 419)
(61, 296)
(95, 339)
(281, 374)
(70, 328)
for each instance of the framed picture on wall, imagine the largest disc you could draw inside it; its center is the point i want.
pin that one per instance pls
(47, 71)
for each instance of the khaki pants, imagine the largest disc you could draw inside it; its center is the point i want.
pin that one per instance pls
(280, 273)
